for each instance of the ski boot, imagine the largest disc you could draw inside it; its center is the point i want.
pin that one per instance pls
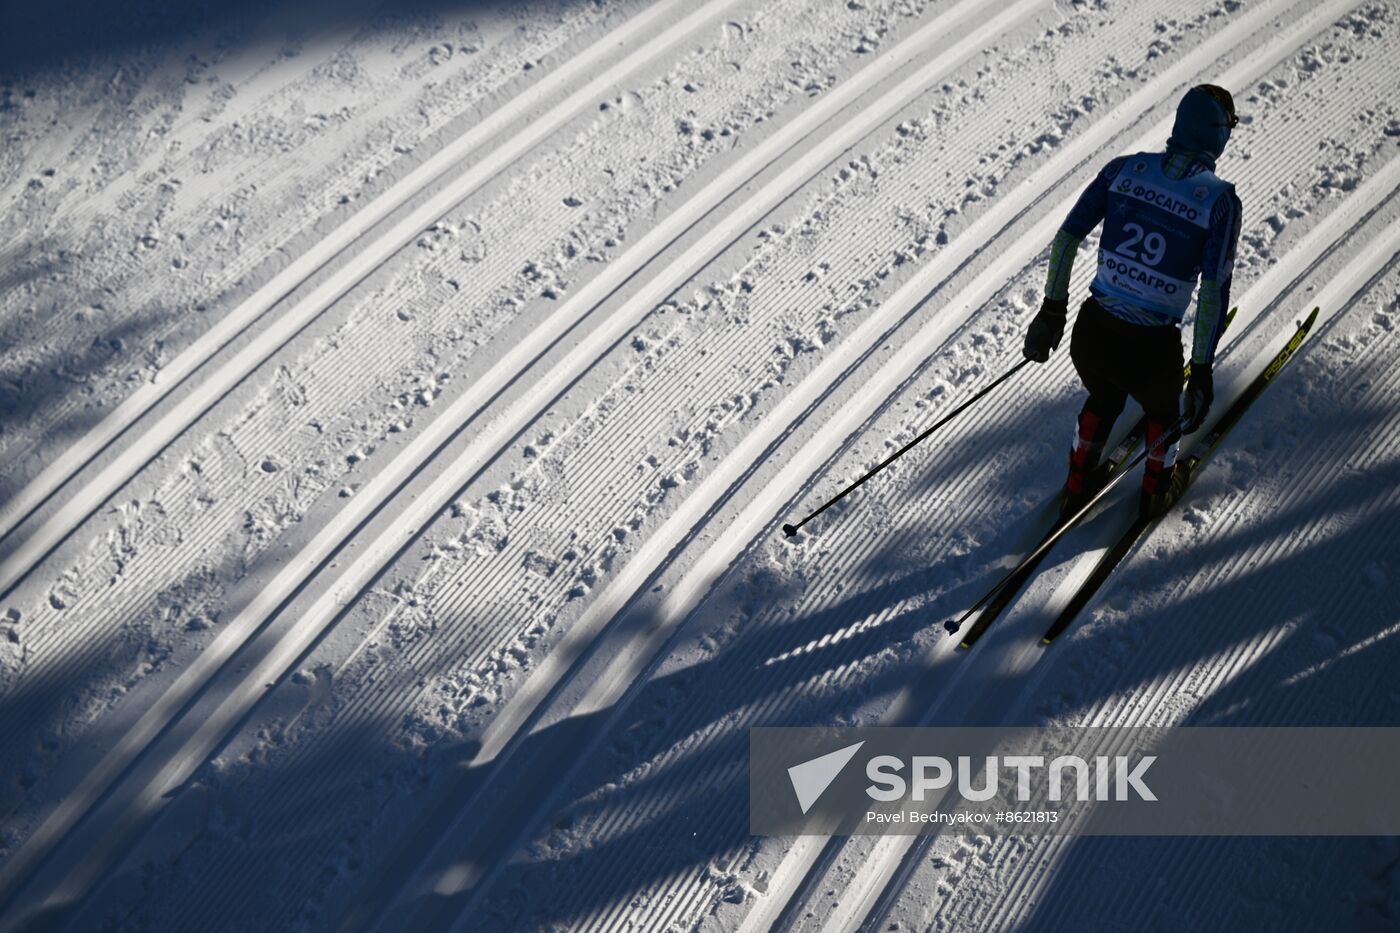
(1152, 505)
(1090, 484)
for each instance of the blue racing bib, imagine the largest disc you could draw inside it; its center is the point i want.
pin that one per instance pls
(1154, 235)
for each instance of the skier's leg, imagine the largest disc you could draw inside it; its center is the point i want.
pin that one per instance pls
(1093, 350)
(1161, 458)
(1092, 428)
(1159, 392)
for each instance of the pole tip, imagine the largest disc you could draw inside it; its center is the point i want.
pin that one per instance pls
(790, 530)
(952, 626)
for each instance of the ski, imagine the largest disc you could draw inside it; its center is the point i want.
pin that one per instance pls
(1192, 464)
(1011, 586)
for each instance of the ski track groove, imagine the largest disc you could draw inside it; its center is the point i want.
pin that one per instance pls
(142, 578)
(591, 471)
(1284, 160)
(257, 442)
(251, 175)
(20, 561)
(380, 693)
(262, 167)
(306, 309)
(225, 515)
(254, 443)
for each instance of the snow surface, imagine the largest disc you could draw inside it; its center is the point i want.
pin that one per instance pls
(400, 404)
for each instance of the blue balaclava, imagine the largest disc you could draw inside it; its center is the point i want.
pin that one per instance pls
(1204, 119)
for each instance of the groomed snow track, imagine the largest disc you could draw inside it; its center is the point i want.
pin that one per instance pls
(436, 581)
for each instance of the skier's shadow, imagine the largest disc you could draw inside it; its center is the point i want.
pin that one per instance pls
(692, 794)
(695, 704)
(775, 656)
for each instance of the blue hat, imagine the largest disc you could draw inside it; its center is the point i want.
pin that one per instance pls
(1204, 119)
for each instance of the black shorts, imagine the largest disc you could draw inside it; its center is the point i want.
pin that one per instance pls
(1116, 359)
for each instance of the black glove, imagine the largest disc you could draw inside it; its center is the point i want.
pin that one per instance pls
(1046, 330)
(1200, 392)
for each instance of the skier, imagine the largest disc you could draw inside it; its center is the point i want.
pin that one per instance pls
(1168, 218)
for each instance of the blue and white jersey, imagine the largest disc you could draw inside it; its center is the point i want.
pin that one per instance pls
(1185, 222)
(1155, 230)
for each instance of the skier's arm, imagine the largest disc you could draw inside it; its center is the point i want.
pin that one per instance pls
(1061, 264)
(1087, 213)
(1217, 271)
(1045, 332)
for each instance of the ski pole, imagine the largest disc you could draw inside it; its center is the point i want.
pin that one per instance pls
(791, 530)
(1168, 436)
